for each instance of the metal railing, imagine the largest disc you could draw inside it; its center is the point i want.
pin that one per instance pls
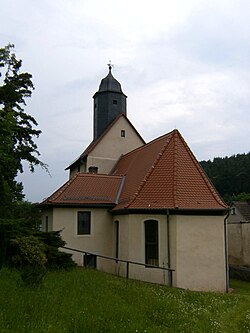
(128, 262)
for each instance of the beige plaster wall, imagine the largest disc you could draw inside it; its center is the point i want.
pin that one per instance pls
(200, 253)
(196, 249)
(112, 146)
(100, 241)
(132, 247)
(196, 246)
(239, 244)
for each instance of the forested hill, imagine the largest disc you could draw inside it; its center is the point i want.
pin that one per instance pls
(230, 175)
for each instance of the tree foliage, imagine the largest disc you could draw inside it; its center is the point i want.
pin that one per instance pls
(29, 251)
(25, 247)
(230, 176)
(22, 244)
(17, 128)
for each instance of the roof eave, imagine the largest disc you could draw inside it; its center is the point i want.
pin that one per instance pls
(68, 205)
(78, 160)
(109, 90)
(172, 211)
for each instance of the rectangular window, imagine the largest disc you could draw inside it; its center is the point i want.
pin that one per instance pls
(89, 261)
(114, 101)
(83, 223)
(123, 133)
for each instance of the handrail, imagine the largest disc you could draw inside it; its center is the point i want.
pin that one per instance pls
(170, 270)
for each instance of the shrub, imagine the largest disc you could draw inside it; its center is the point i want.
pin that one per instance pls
(30, 258)
(56, 259)
(29, 251)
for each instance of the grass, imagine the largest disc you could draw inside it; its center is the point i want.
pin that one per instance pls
(90, 301)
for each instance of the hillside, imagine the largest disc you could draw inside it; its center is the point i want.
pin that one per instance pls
(91, 301)
(230, 175)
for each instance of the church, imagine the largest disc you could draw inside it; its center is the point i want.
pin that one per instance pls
(148, 203)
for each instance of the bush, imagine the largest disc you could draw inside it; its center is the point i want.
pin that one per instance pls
(29, 251)
(23, 246)
(56, 259)
(29, 256)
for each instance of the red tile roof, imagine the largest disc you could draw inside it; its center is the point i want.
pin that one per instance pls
(87, 189)
(94, 143)
(164, 174)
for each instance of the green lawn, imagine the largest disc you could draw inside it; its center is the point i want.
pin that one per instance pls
(91, 301)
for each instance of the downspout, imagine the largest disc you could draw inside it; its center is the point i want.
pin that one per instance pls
(170, 273)
(226, 251)
(168, 238)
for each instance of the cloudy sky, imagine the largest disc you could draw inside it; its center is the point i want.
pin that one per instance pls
(183, 64)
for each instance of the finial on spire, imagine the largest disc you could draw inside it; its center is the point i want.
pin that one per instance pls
(110, 66)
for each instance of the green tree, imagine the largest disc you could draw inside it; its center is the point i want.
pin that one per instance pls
(25, 222)
(17, 130)
(230, 175)
(22, 244)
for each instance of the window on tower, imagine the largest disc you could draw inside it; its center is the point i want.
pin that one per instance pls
(123, 133)
(114, 101)
(93, 169)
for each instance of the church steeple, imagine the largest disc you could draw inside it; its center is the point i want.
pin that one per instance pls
(109, 102)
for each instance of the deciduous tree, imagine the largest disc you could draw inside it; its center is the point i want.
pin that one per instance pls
(17, 128)
(17, 133)
(21, 243)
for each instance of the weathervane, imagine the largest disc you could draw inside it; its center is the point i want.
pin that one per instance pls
(110, 66)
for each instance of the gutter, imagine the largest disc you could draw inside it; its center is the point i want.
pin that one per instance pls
(177, 211)
(168, 239)
(226, 251)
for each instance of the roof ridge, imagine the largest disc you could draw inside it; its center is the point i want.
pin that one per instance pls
(146, 144)
(175, 187)
(156, 161)
(199, 168)
(103, 175)
(242, 202)
(120, 189)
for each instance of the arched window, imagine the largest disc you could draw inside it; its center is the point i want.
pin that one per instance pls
(151, 243)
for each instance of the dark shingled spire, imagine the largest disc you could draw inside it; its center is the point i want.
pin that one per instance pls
(109, 102)
(109, 83)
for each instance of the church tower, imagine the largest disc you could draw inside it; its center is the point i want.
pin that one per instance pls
(114, 135)
(109, 102)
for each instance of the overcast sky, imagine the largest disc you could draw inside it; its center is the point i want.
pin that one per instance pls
(183, 64)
